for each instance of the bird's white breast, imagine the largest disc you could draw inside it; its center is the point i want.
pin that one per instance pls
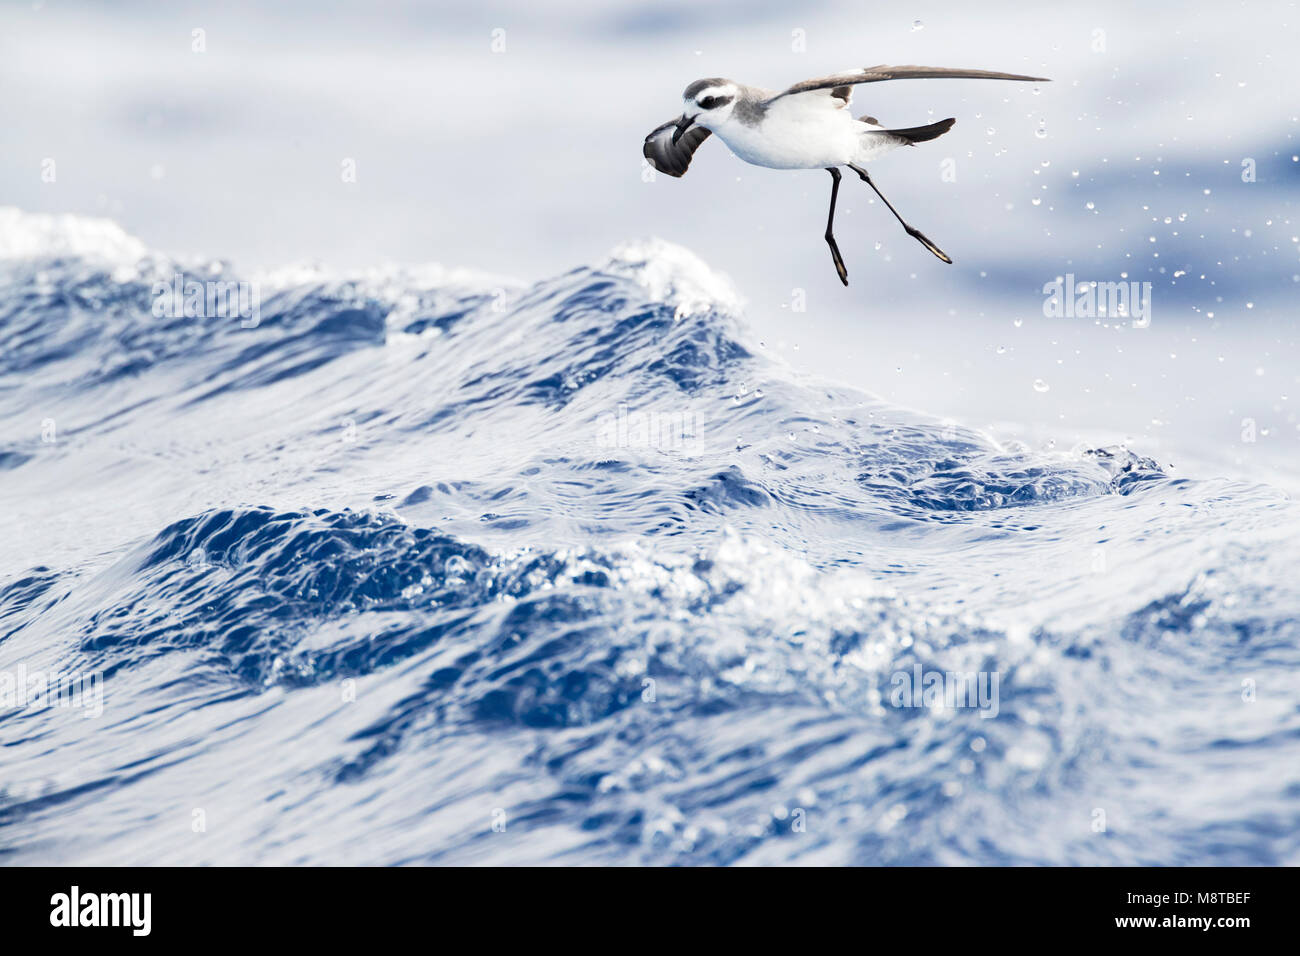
(795, 135)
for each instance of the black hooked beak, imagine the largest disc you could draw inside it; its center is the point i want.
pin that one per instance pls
(683, 125)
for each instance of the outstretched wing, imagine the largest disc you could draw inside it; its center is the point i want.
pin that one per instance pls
(837, 82)
(669, 157)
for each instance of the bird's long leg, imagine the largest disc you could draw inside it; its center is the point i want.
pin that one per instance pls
(912, 231)
(830, 225)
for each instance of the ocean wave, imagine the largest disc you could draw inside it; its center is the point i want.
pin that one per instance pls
(424, 565)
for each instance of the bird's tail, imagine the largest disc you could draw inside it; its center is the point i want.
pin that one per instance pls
(923, 134)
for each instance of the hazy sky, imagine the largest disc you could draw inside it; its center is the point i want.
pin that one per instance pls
(507, 138)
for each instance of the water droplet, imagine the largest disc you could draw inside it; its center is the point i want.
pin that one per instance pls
(1041, 132)
(917, 25)
(1040, 385)
(1090, 204)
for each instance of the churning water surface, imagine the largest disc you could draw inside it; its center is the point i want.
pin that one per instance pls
(426, 567)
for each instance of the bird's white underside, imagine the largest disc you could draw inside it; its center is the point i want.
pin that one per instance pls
(807, 131)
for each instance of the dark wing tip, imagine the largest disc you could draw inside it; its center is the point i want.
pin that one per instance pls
(669, 158)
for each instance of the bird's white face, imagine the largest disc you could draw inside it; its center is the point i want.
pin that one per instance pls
(709, 102)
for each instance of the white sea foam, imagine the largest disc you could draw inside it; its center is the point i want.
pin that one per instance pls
(671, 273)
(29, 235)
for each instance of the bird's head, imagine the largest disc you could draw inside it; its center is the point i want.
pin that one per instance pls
(707, 103)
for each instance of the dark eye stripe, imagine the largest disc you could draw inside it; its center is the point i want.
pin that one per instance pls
(712, 102)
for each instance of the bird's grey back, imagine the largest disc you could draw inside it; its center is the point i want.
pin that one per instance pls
(751, 104)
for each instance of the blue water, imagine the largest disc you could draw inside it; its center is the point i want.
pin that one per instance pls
(428, 567)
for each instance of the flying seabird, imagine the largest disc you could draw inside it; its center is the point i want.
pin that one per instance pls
(807, 126)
